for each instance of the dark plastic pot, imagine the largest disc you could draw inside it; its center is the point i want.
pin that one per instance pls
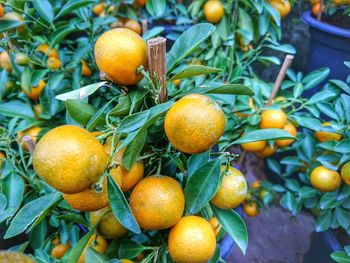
(329, 47)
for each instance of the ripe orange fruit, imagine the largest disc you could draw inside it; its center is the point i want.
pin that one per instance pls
(324, 136)
(53, 63)
(35, 92)
(2, 159)
(254, 146)
(192, 239)
(59, 250)
(133, 25)
(250, 209)
(324, 179)
(98, 9)
(282, 6)
(215, 224)
(176, 82)
(5, 61)
(345, 173)
(267, 151)
(256, 184)
(290, 128)
(157, 202)
(232, 191)
(316, 8)
(213, 11)
(85, 70)
(2, 11)
(119, 52)
(50, 52)
(194, 123)
(273, 119)
(126, 261)
(33, 132)
(96, 242)
(69, 159)
(108, 226)
(14, 257)
(15, 17)
(141, 3)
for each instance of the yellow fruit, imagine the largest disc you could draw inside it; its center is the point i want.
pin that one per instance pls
(157, 202)
(14, 17)
(14, 257)
(108, 226)
(273, 119)
(53, 63)
(263, 193)
(267, 151)
(119, 52)
(256, 184)
(69, 159)
(98, 9)
(133, 25)
(215, 224)
(290, 128)
(85, 70)
(345, 173)
(232, 191)
(254, 146)
(324, 179)
(251, 209)
(191, 240)
(98, 243)
(5, 61)
(282, 6)
(59, 250)
(324, 136)
(21, 59)
(126, 261)
(2, 11)
(176, 82)
(194, 123)
(50, 52)
(141, 3)
(33, 132)
(35, 92)
(213, 11)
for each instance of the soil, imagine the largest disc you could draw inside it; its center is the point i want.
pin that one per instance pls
(338, 20)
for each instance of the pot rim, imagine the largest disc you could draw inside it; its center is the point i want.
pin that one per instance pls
(309, 20)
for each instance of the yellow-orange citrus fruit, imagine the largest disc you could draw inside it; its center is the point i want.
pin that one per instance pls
(340, 2)
(96, 242)
(312, 2)
(45, 48)
(69, 159)
(345, 173)
(15, 17)
(213, 11)
(273, 119)
(119, 52)
(21, 59)
(176, 82)
(254, 146)
(263, 193)
(35, 92)
(256, 184)
(192, 240)
(108, 226)
(251, 106)
(14, 257)
(157, 202)
(98, 9)
(251, 208)
(2, 159)
(282, 6)
(215, 224)
(5, 61)
(324, 136)
(290, 128)
(267, 151)
(133, 25)
(33, 132)
(126, 261)
(59, 250)
(53, 63)
(85, 70)
(233, 189)
(194, 123)
(316, 8)
(89, 199)
(2, 11)
(141, 2)
(324, 179)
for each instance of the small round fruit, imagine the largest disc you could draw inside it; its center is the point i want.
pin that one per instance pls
(176, 82)
(345, 173)
(316, 8)
(157, 202)
(21, 59)
(5, 61)
(119, 52)
(323, 136)
(2, 11)
(254, 146)
(96, 242)
(192, 239)
(98, 9)
(282, 6)
(33, 132)
(215, 224)
(126, 261)
(53, 63)
(290, 128)
(141, 3)
(324, 179)
(232, 191)
(14, 257)
(273, 119)
(133, 25)
(267, 151)
(2, 159)
(85, 70)
(59, 250)
(34, 92)
(50, 52)
(213, 11)
(194, 123)
(69, 159)
(256, 184)
(129, 178)
(251, 209)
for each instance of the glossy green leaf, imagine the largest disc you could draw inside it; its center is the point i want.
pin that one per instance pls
(343, 146)
(264, 134)
(283, 48)
(6, 25)
(133, 122)
(133, 150)
(81, 93)
(77, 250)
(130, 249)
(246, 26)
(122, 108)
(341, 84)
(308, 122)
(72, 5)
(44, 8)
(16, 108)
(314, 78)
(153, 32)
(194, 70)
(273, 12)
(75, 218)
(61, 33)
(340, 257)
(156, 7)
(196, 161)
(92, 256)
(220, 88)
(80, 111)
(289, 202)
(321, 96)
(323, 221)
(99, 117)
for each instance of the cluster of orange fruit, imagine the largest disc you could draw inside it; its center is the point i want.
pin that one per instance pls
(316, 5)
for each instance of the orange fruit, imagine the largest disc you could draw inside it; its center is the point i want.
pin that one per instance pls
(15, 257)
(85, 70)
(324, 136)
(119, 52)
(33, 132)
(192, 239)
(316, 8)
(53, 63)
(108, 226)
(59, 250)
(256, 184)
(282, 6)
(69, 159)
(2, 11)
(50, 52)
(273, 119)
(314, 1)
(233, 189)
(98, 9)
(194, 123)
(215, 224)
(126, 261)
(157, 202)
(141, 3)
(176, 82)
(267, 151)
(324, 179)
(5, 61)
(345, 173)
(251, 209)
(2, 159)
(254, 146)
(35, 92)
(133, 25)
(96, 242)
(213, 11)
(340, 2)
(15, 17)
(290, 128)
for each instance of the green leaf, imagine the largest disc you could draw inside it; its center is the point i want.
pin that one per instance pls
(71, 5)
(77, 250)
(25, 79)
(81, 93)
(307, 192)
(283, 48)
(194, 70)
(133, 122)
(32, 213)
(202, 186)
(130, 249)
(186, 43)
(120, 207)
(220, 88)
(245, 25)
(16, 108)
(80, 111)
(133, 150)
(273, 12)
(341, 84)
(36, 76)
(5, 25)
(156, 7)
(44, 8)
(323, 222)
(122, 108)
(343, 217)
(196, 161)
(321, 96)
(289, 202)
(92, 256)
(233, 225)
(343, 146)
(153, 32)
(314, 78)
(72, 217)
(308, 122)
(340, 257)
(264, 134)
(99, 117)
(61, 33)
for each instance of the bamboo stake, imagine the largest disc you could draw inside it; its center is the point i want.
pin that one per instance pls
(29, 142)
(320, 10)
(157, 64)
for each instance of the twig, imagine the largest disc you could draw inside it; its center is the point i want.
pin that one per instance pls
(320, 10)
(29, 142)
(144, 26)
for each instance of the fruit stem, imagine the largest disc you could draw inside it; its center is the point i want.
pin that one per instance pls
(98, 186)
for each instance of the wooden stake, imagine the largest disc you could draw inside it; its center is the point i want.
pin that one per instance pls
(28, 140)
(286, 64)
(157, 64)
(144, 26)
(320, 10)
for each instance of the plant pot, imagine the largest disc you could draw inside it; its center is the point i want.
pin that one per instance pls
(329, 47)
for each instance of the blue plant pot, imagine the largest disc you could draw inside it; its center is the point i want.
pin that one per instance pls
(329, 47)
